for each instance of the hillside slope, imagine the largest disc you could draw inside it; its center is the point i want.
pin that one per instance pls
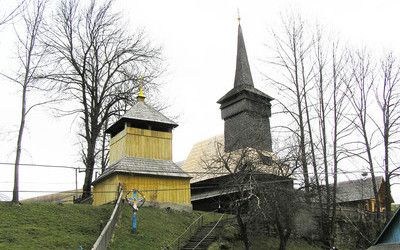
(50, 225)
(156, 227)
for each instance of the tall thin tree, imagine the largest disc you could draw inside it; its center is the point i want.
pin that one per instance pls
(30, 57)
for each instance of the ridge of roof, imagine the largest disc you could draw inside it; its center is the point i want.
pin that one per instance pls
(144, 112)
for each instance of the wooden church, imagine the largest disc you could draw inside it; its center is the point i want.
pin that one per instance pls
(246, 112)
(141, 159)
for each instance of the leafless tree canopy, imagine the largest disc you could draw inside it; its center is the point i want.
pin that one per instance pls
(331, 97)
(98, 64)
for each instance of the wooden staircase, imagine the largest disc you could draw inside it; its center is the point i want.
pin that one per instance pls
(206, 235)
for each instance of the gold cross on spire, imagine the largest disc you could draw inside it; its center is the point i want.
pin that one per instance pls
(141, 96)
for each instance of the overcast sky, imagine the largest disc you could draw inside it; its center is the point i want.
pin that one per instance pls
(199, 44)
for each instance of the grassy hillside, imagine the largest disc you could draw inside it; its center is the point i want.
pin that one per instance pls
(50, 225)
(155, 227)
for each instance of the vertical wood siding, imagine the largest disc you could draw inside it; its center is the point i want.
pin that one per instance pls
(106, 191)
(144, 143)
(154, 188)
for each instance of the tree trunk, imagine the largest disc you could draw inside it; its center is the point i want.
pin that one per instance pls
(243, 229)
(335, 143)
(372, 172)
(90, 161)
(15, 198)
(303, 156)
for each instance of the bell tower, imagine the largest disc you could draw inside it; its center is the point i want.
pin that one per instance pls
(245, 109)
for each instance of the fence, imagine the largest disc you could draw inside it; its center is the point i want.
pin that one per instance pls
(212, 229)
(106, 235)
(189, 232)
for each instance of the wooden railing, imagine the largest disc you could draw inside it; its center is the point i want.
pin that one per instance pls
(212, 229)
(107, 232)
(189, 232)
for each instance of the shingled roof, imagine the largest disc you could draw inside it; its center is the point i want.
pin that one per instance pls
(143, 112)
(243, 79)
(355, 190)
(143, 166)
(207, 151)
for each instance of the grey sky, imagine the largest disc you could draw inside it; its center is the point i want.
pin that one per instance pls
(199, 42)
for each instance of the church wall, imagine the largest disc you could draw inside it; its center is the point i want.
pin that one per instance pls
(105, 191)
(117, 146)
(144, 143)
(247, 129)
(149, 144)
(155, 189)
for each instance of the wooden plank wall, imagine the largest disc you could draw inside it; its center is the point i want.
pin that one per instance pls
(105, 191)
(154, 188)
(144, 143)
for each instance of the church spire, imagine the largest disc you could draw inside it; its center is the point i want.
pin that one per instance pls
(243, 73)
(245, 109)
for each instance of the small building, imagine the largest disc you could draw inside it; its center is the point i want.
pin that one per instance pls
(141, 159)
(390, 236)
(359, 194)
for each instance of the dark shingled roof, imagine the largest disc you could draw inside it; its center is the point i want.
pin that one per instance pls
(355, 190)
(243, 79)
(143, 166)
(143, 112)
(243, 73)
(243, 88)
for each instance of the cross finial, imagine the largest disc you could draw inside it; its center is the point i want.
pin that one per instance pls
(238, 15)
(141, 96)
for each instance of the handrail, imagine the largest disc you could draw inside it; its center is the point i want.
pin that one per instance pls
(193, 227)
(106, 233)
(212, 229)
(178, 239)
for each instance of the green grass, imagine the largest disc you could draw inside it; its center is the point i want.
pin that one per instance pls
(155, 227)
(50, 225)
(264, 243)
(273, 243)
(228, 240)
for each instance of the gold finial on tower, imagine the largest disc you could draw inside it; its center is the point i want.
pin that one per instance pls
(238, 15)
(141, 96)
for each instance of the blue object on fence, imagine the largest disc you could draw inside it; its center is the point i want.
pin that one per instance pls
(134, 224)
(133, 202)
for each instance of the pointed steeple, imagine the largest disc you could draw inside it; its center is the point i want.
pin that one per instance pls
(245, 109)
(243, 73)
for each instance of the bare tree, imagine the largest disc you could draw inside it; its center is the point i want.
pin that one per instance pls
(99, 64)
(238, 167)
(8, 16)
(358, 92)
(291, 49)
(30, 56)
(388, 98)
(341, 128)
(260, 190)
